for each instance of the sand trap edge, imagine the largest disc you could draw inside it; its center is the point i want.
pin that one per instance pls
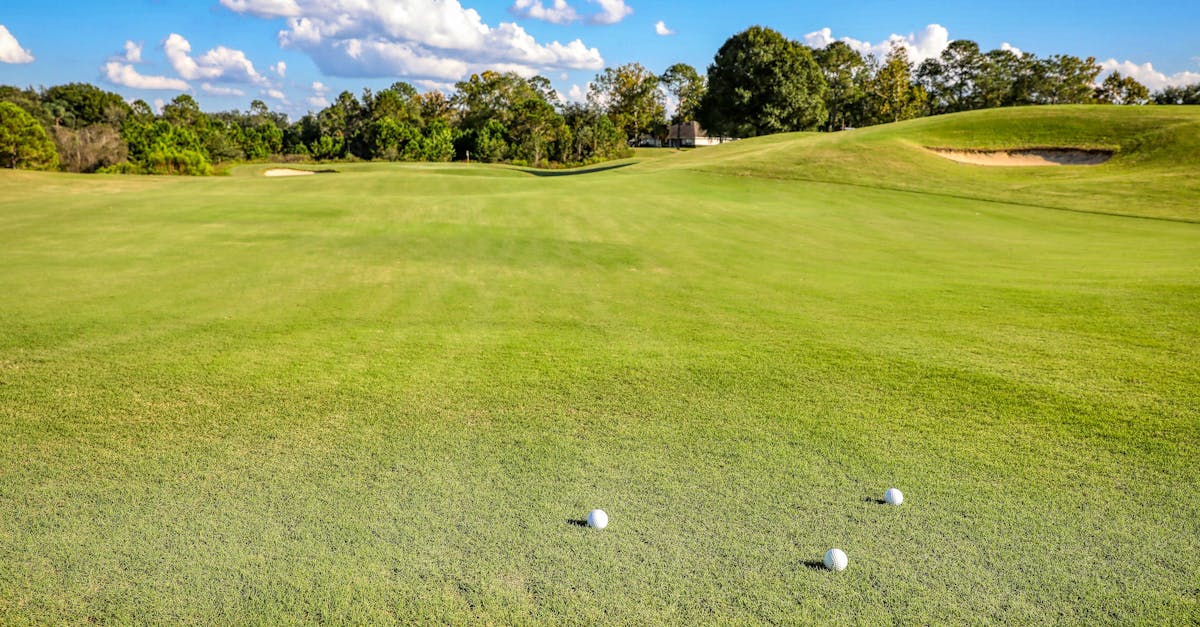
(294, 172)
(1025, 157)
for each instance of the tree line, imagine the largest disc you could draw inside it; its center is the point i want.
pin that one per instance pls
(759, 82)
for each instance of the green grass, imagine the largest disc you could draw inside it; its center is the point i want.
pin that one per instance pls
(381, 395)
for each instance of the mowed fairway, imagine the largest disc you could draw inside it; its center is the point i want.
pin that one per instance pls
(386, 394)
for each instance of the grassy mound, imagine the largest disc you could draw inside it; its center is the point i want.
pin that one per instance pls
(1154, 172)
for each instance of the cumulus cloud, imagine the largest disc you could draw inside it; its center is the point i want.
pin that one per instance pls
(558, 13)
(429, 85)
(126, 75)
(1011, 48)
(561, 12)
(577, 94)
(926, 44)
(430, 39)
(264, 8)
(11, 50)
(611, 11)
(280, 69)
(277, 94)
(1146, 74)
(220, 63)
(216, 90)
(662, 30)
(133, 52)
(318, 99)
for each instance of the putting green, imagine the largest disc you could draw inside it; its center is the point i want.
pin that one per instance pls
(391, 394)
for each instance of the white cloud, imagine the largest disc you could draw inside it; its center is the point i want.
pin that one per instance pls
(432, 39)
(11, 50)
(133, 52)
(577, 94)
(1147, 75)
(126, 75)
(220, 63)
(429, 85)
(280, 69)
(611, 11)
(559, 12)
(264, 8)
(159, 103)
(276, 94)
(318, 99)
(221, 91)
(1011, 48)
(662, 30)
(928, 43)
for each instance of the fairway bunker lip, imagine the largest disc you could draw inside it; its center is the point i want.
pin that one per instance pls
(1025, 157)
(274, 172)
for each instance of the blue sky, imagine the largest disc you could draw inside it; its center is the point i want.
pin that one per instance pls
(228, 52)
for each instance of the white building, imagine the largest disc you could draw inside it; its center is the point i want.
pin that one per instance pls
(690, 135)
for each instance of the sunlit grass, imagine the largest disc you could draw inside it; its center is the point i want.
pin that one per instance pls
(383, 394)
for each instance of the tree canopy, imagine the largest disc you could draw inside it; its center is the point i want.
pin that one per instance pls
(761, 82)
(23, 141)
(688, 87)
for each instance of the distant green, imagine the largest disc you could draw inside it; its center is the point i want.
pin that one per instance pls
(383, 395)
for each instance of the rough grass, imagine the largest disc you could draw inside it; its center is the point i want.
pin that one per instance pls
(383, 394)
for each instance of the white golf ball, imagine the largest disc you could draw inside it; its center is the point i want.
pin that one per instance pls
(835, 559)
(598, 519)
(893, 496)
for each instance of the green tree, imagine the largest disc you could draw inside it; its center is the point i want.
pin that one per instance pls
(397, 140)
(1122, 90)
(760, 82)
(1066, 79)
(435, 106)
(893, 95)
(77, 105)
(535, 126)
(488, 106)
(1003, 80)
(490, 143)
(629, 95)
(931, 76)
(438, 141)
(687, 86)
(590, 136)
(491, 96)
(184, 111)
(1178, 95)
(961, 66)
(23, 141)
(27, 99)
(841, 66)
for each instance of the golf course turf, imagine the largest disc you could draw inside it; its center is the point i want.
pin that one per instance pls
(391, 392)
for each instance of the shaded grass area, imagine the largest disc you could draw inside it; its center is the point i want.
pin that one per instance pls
(382, 396)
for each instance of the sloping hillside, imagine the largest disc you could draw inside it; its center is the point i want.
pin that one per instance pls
(1155, 171)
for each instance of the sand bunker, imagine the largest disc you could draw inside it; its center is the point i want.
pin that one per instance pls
(1030, 157)
(288, 172)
